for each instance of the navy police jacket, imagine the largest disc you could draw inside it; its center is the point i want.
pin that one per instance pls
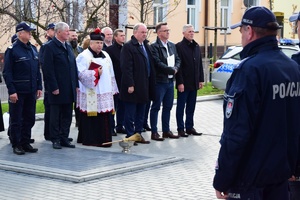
(259, 143)
(296, 57)
(21, 68)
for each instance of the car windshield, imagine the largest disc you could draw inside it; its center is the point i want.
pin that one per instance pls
(232, 52)
(226, 52)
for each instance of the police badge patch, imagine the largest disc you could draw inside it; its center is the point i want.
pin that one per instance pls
(229, 108)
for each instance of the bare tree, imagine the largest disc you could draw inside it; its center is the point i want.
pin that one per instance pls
(143, 11)
(79, 14)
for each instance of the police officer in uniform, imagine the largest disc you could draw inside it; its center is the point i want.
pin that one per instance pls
(23, 80)
(259, 144)
(50, 34)
(294, 181)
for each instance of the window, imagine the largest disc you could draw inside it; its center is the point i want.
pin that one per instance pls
(193, 8)
(249, 3)
(225, 13)
(74, 15)
(159, 11)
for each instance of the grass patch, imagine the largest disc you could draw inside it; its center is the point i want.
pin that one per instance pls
(206, 90)
(39, 107)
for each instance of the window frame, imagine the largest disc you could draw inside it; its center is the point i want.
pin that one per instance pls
(229, 9)
(156, 6)
(196, 7)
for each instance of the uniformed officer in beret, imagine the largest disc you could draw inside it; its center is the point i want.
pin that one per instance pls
(23, 80)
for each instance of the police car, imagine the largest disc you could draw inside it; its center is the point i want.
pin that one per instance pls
(225, 65)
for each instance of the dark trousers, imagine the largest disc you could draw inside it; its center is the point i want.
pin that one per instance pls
(165, 96)
(60, 121)
(22, 119)
(147, 109)
(112, 115)
(77, 114)
(294, 190)
(120, 111)
(187, 100)
(273, 192)
(1, 118)
(46, 116)
(134, 117)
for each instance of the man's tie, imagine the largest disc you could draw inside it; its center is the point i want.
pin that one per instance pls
(148, 61)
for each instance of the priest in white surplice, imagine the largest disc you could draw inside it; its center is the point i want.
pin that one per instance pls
(97, 85)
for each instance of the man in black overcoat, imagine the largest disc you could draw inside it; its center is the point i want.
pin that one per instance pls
(62, 80)
(138, 80)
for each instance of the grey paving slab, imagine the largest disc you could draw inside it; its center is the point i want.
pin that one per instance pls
(77, 165)
(189, 179)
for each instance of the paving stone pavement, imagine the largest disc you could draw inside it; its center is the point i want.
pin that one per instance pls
(190, 179)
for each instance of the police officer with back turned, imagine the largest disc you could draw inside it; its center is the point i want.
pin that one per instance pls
(260, 139)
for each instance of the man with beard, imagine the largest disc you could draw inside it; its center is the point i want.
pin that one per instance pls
(73, 40)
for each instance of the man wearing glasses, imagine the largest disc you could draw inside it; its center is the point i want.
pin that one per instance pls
(167, 63)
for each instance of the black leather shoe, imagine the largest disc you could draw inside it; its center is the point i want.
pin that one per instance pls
(156, 136)
(56, 145)
(18, 150)
(70, 139)
(68, 145)
(193, 132)
(121, 130)
(147, 128)
(31, 141)
(29, 148)
(182, 134)
(170, 135)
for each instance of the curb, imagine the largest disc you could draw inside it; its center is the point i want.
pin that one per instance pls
(40, 116)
